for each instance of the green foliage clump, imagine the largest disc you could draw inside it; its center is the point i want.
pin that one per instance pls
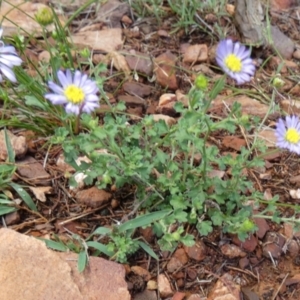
(172, 168)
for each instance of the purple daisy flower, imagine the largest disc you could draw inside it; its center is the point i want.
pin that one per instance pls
(288, 134)
(8, 59)
(76, 92)
(234, 59)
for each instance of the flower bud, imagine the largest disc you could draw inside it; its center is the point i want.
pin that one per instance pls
(44, 16)
(201, 82)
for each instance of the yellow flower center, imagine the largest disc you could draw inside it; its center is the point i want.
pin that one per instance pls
(292, 136)
(233, 63)
(74, 94)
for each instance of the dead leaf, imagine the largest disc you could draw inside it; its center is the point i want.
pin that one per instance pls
(39, 192)
(119, 62)
(107, 40)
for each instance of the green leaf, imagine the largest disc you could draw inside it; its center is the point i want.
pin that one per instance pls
(143, 220)
(217, 88)
(102, 230)
(9, 148)
(59, 246)
(33, 101)
(6, 210)
(101, 247)
(148, 249)
(24, 195)
(82, 261)
(204, 227)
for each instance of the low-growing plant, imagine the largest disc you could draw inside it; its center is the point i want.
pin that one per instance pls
(172, 168)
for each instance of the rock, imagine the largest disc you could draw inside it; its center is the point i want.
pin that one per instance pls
(248, 245)
(263, 227)
(106, 40)
(196, 252)
(195, 297)
(166, 105)
(145, 274)
(191, 273)
(180, 254)
(196, 53)
(151, 285)
(164, 286)
(296, 54)
(232, 251)
(169, 120)
(178, 296)
(243, 263)
(174, 265)
(288, 230)
(33, 171)
(12, 218)
(139, 63)
(293, 248)
(281, 43)
(18, 144)
(273, 244)
(20, 14)
(132, 100)
(165, 70)
(145, 295)
(225, 289)
(111, 13)
(93, 197)
(137, 89)
(31, 271)
(233, 142)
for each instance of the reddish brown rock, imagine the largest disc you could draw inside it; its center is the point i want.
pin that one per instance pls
(263, 227)
(178, 296)
(12, 218)
(273, 244)
(196, 252)
(293, 248)
(93, 197)
(31, 271)
(243, 263)
(164, 286)
(225, 288)
(232, 251)
(174, 265)
(18, 144)
(180, 254)
(195, 53)
(165, 70)
(248, 245)
(145, 274)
